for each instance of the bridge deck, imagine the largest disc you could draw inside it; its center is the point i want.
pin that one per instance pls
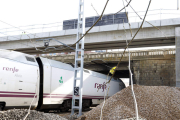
(99, 38)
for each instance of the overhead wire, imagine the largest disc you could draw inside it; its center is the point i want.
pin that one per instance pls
(136, 109)
(29, 37)
(155, 10)
(34, 44)
(95, 23)
(127, 18)
(94, 9)
(99, 19)
(25, 26)
(16, 41)
(30, 26)
(130, 42)
(104, 15)
(128, 3)
(61, 22)
(91, 26)
(170, 13)
(132, 89)
(146, 21)
(21, 30)
(124, 7)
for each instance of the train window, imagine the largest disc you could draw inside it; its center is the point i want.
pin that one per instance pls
(86, 71)
(30, 59)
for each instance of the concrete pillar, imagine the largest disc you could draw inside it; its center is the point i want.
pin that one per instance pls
(177, 64)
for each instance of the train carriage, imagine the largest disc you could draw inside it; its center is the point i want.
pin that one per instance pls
(24, 77)
(19, 80)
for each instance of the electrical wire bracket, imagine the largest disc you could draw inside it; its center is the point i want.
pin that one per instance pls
(47, 41)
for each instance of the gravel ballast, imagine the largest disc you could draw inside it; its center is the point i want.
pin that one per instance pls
(19, 114)
(154, 103)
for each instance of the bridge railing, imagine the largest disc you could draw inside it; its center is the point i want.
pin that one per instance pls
(114, 55)
(31, 29)
(57, 26)
(154, 52)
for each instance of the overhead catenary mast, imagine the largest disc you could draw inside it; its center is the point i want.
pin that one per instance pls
(78, 89)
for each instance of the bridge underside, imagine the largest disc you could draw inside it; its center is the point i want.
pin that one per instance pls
(122, 71)
(119, 73)
(104, 45)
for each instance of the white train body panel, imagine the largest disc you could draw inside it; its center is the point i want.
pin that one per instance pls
(46, 81)
(18, 79)
(22, 76)
(61, 85)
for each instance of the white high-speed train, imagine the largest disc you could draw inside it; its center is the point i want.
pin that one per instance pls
(24, 76)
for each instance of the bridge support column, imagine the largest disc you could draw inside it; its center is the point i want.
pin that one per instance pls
(177, 38)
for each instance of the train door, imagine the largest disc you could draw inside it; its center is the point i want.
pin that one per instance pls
(47, 83)
(44, 88)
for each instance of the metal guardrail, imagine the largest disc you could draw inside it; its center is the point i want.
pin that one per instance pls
(108, 19)
(31, 29)
(57, 26)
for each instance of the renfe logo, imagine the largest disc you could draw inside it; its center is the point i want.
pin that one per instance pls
(100, 86)
(10, 69)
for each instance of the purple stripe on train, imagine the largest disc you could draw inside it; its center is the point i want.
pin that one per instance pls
(69, 95)
(9, 95)
(16, 92)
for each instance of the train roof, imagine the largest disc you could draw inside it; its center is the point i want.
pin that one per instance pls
(65, 66)
(18, 56)
(30, 59)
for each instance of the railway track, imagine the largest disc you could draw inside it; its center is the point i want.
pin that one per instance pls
(67, 115)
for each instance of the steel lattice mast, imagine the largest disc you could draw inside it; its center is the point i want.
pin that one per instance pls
(78, 89)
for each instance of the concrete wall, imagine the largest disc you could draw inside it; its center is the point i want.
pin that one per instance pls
(155, 72)
(177, 38)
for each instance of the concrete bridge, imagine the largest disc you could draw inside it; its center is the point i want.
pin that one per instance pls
(150, 67)
(99, 38)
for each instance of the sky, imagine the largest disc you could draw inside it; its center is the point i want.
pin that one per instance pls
(38, 12)
(29, 12)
